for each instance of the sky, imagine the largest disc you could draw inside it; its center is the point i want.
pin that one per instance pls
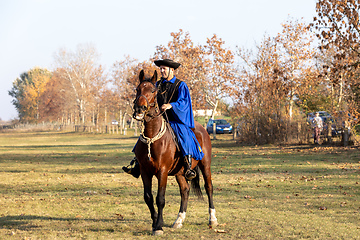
(32, 31)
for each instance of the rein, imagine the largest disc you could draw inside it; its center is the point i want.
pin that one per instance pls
(148, 140)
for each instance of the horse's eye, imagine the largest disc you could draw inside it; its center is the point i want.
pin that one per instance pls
(154, 90)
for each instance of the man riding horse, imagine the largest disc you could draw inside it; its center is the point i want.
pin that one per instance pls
(174, 98)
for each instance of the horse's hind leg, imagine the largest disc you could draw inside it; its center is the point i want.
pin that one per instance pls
(148, 197)
(184, 192)
(205, 169)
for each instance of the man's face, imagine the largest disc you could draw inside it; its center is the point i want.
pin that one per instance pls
(166, 72)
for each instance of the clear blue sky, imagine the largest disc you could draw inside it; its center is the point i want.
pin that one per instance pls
(31, 31)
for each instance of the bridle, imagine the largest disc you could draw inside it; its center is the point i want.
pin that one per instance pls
(147, 115)
(149, 105)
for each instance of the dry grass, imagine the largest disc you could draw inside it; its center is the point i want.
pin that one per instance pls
(71, 186)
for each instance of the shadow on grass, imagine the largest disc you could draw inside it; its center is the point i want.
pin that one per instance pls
(72, 146)
(23, 222)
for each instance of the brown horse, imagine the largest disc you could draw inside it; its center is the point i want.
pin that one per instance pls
(158, 156)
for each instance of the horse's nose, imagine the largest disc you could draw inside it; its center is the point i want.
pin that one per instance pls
(139, 109)
(139, 112)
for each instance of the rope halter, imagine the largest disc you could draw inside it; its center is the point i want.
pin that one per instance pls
(148, 140)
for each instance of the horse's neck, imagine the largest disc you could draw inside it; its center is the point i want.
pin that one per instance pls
(152, 127)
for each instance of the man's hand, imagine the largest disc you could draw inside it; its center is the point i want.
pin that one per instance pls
(166, 106)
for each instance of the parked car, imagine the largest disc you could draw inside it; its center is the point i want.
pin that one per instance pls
(114, 122)
(222, 126)
(325, 116)
(339, 122)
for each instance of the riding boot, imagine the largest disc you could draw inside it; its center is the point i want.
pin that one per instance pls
(189, 173)
(135, 170)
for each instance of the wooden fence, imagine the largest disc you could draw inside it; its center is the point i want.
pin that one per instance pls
(109, 129)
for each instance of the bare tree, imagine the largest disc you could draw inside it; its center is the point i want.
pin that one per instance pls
(80, 69)
(220, 73)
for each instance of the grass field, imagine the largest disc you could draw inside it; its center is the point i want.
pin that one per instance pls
(71, 186)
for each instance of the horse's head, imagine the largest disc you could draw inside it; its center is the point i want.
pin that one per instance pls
(145, 104)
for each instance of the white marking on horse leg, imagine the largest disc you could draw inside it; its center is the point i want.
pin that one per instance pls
(158, 232)
(180, 219)
(212, 218)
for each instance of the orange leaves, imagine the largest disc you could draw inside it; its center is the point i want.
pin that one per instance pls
(206, 69)
(33, 88)
(343, 19)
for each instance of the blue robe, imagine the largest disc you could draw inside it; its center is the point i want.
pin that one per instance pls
(183, 113)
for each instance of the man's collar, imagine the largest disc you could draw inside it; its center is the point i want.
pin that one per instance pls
(172, 80)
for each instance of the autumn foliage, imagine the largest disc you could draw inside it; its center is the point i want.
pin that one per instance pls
(267, 90)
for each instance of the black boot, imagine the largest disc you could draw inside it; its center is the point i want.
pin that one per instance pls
(135, 170)
(190, 174)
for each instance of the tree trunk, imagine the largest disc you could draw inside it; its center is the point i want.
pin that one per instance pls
(105, 117)
(341, 92)
(214, 109)
(291, 106)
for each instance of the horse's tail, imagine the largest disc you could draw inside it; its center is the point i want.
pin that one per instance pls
(195, 184)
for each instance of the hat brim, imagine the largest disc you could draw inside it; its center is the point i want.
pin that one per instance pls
(167, 63)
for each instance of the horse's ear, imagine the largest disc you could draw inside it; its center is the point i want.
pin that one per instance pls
(154, 77)
(142, 76)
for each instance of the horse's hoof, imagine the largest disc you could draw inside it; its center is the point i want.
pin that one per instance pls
(158, 232)
(213, 223)
(177, 225)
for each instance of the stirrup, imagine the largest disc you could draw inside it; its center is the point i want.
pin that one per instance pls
(135, 170)
(190, 174)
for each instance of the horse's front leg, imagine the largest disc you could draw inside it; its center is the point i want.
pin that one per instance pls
(148, 197)
(184, 192)
(160, 202)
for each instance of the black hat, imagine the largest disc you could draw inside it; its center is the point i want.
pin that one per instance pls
(167, 62)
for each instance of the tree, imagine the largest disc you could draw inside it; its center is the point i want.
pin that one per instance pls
(271, 79)
(17, 92)
(39, 78)
(27, 91)
(263, 94)
(55, 103)
(337, 27)
(80, 70)
(123, 90)
(220, 72)
(295, 46)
